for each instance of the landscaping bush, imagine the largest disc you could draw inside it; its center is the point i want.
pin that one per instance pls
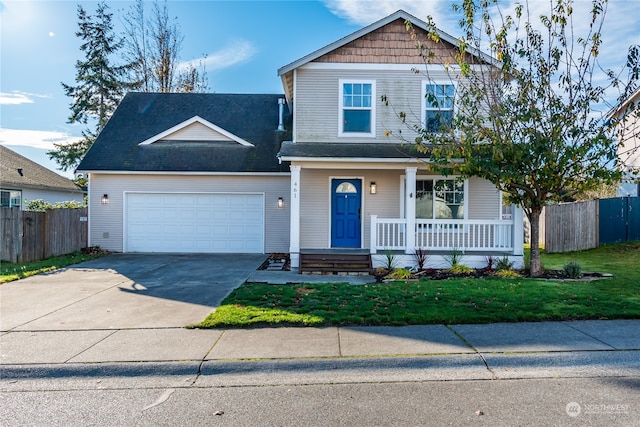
(572, 270)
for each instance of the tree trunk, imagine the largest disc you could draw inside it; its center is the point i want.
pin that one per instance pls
(535, 265)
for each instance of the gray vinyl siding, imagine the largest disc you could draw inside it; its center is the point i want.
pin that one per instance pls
(197, 132)
(106, 222)
(484, 200)
(315, 202)
(317, 103)
(314, 209)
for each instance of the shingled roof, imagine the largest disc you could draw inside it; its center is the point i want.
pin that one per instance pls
(142, 116)
(18, 172)
(353, 151)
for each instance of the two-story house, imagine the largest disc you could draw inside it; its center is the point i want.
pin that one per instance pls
(629, 150)
(247, 173)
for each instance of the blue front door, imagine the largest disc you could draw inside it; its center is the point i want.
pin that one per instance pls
(345, 213)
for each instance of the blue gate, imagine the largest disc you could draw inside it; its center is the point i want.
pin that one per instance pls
(619, 219)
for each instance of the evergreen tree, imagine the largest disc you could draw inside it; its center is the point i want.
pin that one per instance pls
(99, 87)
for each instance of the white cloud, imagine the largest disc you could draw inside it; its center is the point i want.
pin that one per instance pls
(17, 97)
(236, 52)
(52, 34)
(367, 12)
(14, 99)
(35, 138)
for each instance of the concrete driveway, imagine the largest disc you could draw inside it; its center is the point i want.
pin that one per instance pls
(124, 291)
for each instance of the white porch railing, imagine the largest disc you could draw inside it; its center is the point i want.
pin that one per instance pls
(444, 234)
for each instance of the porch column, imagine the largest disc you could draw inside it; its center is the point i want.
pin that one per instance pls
(410, 212)
(294, 237)
(518, 231)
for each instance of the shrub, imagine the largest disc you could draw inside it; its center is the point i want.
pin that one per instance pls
(421, 257)
(390, 261)
(400, 274)
(460, 269)
(507, 274)
(504, 264)
(454, 258)
(39, 205)
(572, 270)
(490, 261)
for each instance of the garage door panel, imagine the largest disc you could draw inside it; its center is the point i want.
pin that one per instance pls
(195, 223)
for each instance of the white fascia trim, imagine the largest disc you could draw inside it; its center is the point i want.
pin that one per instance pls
(353, 159)
(450, 68)
(192, 120)
(189, 173)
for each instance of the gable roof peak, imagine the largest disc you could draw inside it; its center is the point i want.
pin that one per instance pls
(196, 119)
(399, 14)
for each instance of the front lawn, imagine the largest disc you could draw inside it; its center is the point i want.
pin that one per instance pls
(459, 300)
(13, 271)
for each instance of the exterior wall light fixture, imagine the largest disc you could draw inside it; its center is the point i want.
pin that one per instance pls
(105, 199)
(373, 188)
(280, 202)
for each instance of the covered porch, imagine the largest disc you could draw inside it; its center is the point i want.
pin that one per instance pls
(474, 239)
(401, 206)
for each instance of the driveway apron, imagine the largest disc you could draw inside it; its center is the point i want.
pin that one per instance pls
(123, 291)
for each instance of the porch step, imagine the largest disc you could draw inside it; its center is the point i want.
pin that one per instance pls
(335, 262)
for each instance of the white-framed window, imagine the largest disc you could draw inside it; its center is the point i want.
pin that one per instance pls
(440, 198)
(357, 112)
(10, 198)
(438, 100)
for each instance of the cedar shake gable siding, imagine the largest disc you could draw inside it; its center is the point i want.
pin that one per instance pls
(390, 44)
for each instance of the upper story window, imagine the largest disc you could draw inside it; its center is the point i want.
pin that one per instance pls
(10, 198)
(438, 101)
(357, 108)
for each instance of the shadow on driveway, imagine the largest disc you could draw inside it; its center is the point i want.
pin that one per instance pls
(125, 291)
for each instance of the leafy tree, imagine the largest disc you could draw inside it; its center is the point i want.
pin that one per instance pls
(99, 83)
(528, 121)
(153, 45)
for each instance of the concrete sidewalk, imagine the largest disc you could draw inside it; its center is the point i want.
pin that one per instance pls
(20, 347)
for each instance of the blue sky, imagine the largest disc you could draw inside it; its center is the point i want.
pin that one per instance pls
(245, 43)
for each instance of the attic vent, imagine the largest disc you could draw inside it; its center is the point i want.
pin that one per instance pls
(20, 172)
(281, 102)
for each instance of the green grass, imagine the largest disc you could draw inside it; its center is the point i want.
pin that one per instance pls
(447, 301)
(14, 271)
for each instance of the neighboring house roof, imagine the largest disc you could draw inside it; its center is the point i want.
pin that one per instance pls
(350, 151)
(285, 72)
(635, 96)
(18, 172)
(149, 132)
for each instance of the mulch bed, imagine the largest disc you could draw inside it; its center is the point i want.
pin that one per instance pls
(276, 262)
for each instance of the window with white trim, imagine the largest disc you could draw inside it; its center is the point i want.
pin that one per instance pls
(357, 108)
(448, 195)
(10, 198)
(437, 101)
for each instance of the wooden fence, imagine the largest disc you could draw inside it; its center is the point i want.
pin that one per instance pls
(571, 226)
(31, 236)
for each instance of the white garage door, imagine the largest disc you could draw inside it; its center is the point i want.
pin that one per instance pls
(196, 223)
